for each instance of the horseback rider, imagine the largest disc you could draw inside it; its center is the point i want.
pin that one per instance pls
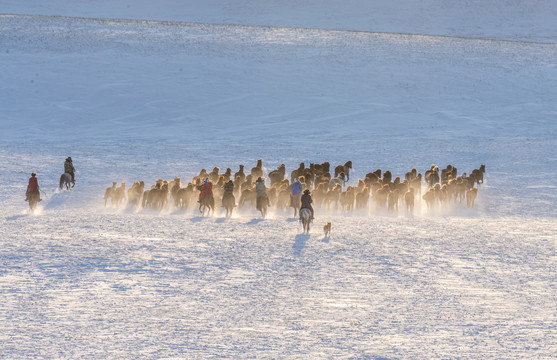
(68, 167)
(206, 189)
(261, 193)
(295, 191)
(306, 202)
(33, 188)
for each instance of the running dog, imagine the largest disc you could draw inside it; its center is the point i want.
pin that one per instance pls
(327, 229)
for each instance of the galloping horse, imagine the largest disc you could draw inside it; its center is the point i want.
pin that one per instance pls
(262, 203)
(66, 179)
(207, 204)
(33, 199)
(229, 203)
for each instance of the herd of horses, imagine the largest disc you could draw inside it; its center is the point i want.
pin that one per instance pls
(330, 190)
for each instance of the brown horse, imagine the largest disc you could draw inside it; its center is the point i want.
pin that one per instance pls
(109, 192)
(345, 169)
(229, 203)
(262, 203)
(33, 197)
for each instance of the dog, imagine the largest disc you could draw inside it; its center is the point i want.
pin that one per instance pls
(327, 229)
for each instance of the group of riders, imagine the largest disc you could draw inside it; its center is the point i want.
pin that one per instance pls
(297, 199)
(33, 185)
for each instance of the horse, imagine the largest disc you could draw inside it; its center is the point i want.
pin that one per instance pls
(118, 195)
(158, 198)
(296, 203)
(262, 203)
(66, 179)
(183, 197)
(33, 198)
(207, 204)
(134, 193)
(109, 192)
(305, 218)
(229, 203)
(345, 169)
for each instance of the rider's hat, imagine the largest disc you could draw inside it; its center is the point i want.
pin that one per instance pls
(33, 174)
(259, 179)
(69, 158)
(306, 191)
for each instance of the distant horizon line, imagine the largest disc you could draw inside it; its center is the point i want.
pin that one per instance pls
(174, 22)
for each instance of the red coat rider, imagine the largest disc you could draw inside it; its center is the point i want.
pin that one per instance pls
(206, 190)
(32, 187)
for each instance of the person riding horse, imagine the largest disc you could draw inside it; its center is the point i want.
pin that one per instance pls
(33, 188)
(261, 192)
(206, 189)
(228, 199)
(295, 191)
(306, 202)
(228, 189)
(69, 168)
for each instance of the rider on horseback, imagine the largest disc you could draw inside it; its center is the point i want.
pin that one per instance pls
(261, 192)
(68, 167)
(207, 189)
(295, 190)
(33, 188)
(306, 202)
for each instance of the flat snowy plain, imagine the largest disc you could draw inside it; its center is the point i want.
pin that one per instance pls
(173, 91)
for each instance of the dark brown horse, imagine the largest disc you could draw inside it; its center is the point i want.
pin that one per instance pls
(229, 203)
(345, 169)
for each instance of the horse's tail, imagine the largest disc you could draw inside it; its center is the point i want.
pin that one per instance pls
(61, 181)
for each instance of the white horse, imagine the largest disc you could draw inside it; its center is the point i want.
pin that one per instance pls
(305, 218)
(66, 179)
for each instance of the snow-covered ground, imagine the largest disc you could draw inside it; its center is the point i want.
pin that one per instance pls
(184, 87)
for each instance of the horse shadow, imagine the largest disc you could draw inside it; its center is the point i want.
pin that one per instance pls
(300, 243)
(15, 217)
(255, 221)
(326, 239)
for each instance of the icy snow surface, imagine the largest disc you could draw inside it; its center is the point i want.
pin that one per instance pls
(169, 93)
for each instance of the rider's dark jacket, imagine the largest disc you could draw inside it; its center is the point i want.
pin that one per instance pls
(68, 167)
(228, 188)
(306, 201)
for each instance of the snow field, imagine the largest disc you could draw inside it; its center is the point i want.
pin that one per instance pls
(141, 100)
(142, 285)
(80, 280)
